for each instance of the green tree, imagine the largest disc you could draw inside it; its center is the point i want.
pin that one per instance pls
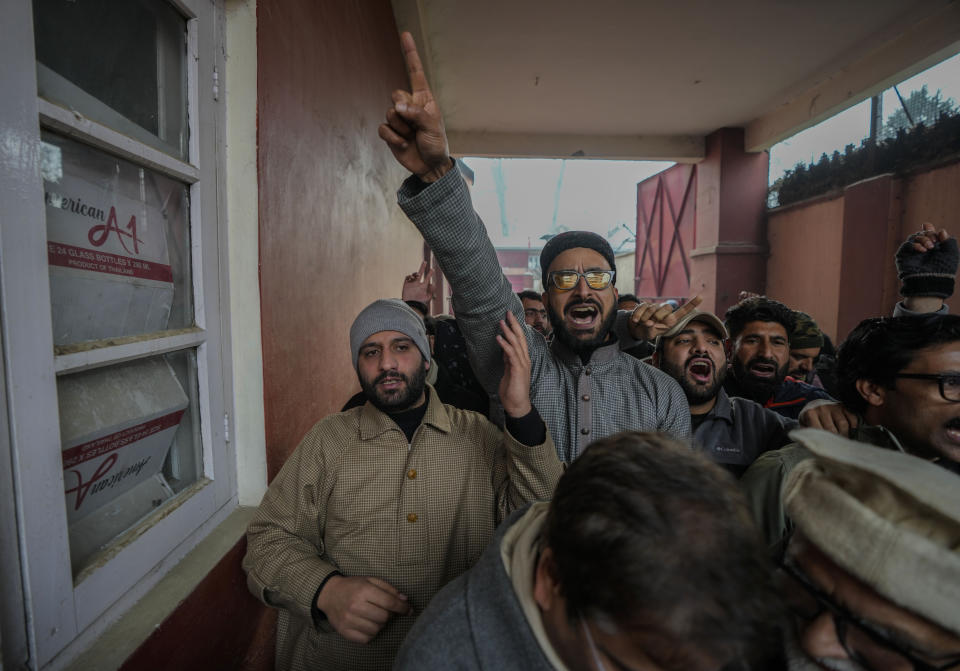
(924, 109)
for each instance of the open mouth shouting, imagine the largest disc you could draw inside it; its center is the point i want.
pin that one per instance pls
(700, 370)
(583, 315)
(762, 368)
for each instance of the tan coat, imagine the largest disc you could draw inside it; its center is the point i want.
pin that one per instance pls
(354, 497)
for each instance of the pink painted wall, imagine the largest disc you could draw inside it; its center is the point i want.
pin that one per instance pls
(932, 196)
(803, 269)
(833, 257)
(332, 238)
(731, 197)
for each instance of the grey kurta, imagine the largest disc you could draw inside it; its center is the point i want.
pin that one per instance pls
(579, 402)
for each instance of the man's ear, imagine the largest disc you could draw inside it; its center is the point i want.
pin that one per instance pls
(616, 296)
(543, 298)
(546, 588)
(872, 393)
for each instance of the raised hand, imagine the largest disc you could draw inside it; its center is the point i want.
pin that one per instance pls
(358, 607)
(650, 320)
(927, 237)
(418, 286)
(927, 268)
(515, 383)
(414, 129)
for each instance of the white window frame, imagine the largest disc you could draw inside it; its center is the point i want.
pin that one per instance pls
(53, 611)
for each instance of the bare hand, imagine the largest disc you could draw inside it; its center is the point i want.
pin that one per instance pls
(359, 607)
(414, 129)
(650, 320)
(832, 417)
(928, 237)
(515, 383)
(418, 286)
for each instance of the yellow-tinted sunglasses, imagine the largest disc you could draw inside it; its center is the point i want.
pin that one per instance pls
(565, 280)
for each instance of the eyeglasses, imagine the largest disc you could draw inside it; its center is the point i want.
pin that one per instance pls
(949, 383)
(533, 312)
(565, 280)
(843, 618)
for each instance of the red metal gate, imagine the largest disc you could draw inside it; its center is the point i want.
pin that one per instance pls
(666, 224)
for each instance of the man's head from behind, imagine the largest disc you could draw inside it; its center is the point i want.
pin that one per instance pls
(692, 352)
(648, 556)
(760, 329)
(904, 374)
(391, 354)
(533, 311)
(578, 274)
(872, 572)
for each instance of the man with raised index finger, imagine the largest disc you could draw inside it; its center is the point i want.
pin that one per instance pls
(382, 505)
(584, 386)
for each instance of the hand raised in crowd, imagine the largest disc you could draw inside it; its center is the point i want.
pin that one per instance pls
(650, 320)
(358, 607)
(419, 286)
(515, 383)
(927, 238)
(414, 129)
(829, 416)
(927, 268)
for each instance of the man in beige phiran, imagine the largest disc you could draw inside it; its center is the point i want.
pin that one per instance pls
(382, 505)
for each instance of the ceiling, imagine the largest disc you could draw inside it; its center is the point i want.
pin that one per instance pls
(646, 79)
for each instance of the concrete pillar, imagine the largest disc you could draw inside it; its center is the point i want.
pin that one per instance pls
(730, 243)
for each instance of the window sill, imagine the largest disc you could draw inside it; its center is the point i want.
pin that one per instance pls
(111, 649)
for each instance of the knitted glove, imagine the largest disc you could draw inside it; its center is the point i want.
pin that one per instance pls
(929, 273)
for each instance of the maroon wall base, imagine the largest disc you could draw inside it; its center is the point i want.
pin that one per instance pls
(219, 626)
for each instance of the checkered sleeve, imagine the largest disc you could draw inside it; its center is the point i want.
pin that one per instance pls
(482, 294)
(285, 561)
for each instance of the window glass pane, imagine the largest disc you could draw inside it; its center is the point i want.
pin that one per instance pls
(118, 245)
(119, 62)
(130, 443)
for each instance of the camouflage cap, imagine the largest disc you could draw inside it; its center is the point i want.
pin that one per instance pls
(807, 333)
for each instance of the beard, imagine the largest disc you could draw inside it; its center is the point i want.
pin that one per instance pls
(580, 346)
(754, 388)
(695, 393)
(396, 400)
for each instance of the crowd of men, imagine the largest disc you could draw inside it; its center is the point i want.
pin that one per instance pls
(563, 480)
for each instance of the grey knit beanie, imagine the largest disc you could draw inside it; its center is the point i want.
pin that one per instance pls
(388, 314)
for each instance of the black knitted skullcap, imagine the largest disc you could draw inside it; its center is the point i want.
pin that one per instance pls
(570, 239)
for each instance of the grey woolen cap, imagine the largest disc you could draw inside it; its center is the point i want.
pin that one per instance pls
(388, 314)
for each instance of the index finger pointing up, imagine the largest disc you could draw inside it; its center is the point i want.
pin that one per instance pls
(418, 79)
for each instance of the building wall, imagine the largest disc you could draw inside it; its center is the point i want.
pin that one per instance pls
(833, 257)
(331, 236)
(803, 269)
(515, 266)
